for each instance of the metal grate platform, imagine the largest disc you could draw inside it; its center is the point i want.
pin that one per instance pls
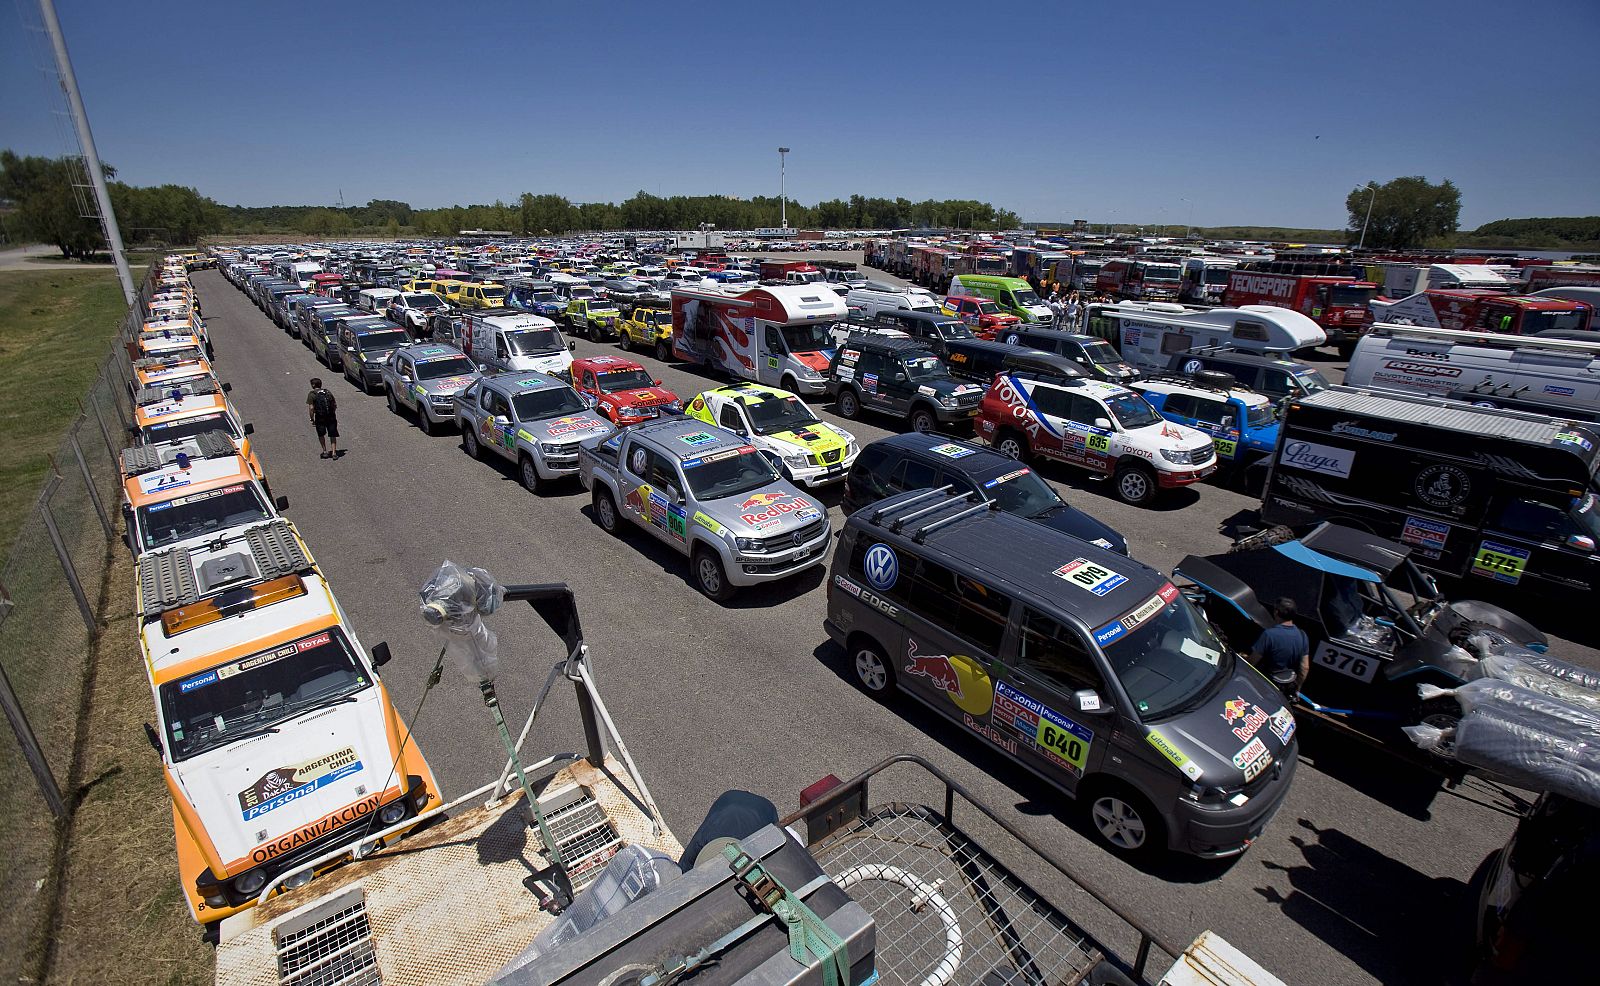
(330, 945)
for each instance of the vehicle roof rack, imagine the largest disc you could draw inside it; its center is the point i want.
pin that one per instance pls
(168, 579)
(198, 387)
(969, 504)
(1044, 376)
(1198, 381)
(898, 343)
(140, 459)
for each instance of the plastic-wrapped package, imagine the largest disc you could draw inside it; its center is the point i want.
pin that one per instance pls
(1544, 674)
(454, 602)
(631, 874)
(1521, 747)
(1578, 722)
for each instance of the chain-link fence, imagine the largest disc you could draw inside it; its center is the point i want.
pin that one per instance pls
(50, 593)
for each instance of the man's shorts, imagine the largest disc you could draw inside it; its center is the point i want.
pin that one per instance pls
(327, 427)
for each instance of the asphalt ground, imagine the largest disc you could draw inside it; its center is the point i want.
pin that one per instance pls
(1359, 879)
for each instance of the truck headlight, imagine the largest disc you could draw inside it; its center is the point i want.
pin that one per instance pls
(391, 813)
(752, 545)
(797, 461)
(948, 400)
(847, 436)
(547, 448)
(249, 884)
(1177, 456)
(441, 399)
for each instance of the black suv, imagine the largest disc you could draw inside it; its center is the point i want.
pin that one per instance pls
(908, 462)
(1278, 379)
(1094, 356)
(901, 377)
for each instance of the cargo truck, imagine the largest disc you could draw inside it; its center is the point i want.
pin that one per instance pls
(1486, 311)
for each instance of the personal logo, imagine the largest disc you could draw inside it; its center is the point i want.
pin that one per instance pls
(281, 785)
(882, 567)
(1442, 486)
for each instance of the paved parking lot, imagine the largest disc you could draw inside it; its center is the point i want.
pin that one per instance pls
(1366, 862)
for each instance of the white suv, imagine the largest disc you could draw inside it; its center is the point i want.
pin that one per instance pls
(1098, 426)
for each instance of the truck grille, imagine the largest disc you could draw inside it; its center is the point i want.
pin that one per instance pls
(831, 456)
(1201, 456)
(564, 449)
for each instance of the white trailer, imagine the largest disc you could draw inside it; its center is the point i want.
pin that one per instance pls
(1149, 334)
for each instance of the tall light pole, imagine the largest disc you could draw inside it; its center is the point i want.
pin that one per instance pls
(91, 159)
(1189, 230)
(783, 203)
(1370, 202)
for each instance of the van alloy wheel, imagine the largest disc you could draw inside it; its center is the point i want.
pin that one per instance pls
(1118, 822)
(870, 670)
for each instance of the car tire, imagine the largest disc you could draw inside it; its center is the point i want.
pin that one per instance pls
(528, 474)
(394, 403)
(788, 382)
(469, 442)
(873, 672)
(625, 342)
(605, 512)
(1014, 444)
(1136, 484)
(423, 421)
(1124, 820)
(847, 403)
(709, 576)
(663, 351)
(1443, 714)
(923, 421)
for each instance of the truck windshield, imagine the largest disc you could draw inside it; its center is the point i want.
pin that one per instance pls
(616, 380)
(533, 342)
(549, 403)
(1133, 411)
(731, 476)
(1535, 322)
(545, 297)
(174, 431)
(449, 366)
(1262, 415)
(1217, 275)
(777, 414)
(1023, 492)
(176, 520)
(1340, 296)
(243, 697)
(988, 308)
(923, 368)
(1162, 272)
(807, 337)
(1171, 657)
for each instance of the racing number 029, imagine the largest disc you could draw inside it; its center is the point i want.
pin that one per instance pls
(1352, 664)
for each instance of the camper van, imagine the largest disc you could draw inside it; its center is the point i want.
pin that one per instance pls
(775, 334)
(1149, 334)
(1557, 376)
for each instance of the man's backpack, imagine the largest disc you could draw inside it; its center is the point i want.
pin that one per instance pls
(323, 404)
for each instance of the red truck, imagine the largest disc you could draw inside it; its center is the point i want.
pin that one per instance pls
(1487, 311)
(1140, 279)
(1562, 276)
(931, 266)
(790, 271)
(1339, 304)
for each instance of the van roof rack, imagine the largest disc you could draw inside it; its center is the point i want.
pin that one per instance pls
(197, 387)
(140, 459)
(169, 579)
(969, 503)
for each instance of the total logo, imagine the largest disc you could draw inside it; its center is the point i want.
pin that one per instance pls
(775, 504)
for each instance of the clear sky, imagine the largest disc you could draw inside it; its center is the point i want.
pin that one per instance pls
(1230, 112)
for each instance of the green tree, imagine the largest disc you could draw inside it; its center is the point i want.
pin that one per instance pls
(47, 208)
(1406, 212)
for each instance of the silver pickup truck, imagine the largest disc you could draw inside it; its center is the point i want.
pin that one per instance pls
(426, 379)
(532, 419)
(709, 494)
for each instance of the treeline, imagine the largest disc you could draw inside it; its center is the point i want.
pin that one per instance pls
(1566, 231)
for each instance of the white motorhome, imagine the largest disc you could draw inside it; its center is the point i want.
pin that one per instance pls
(511, 342)
(1402, 280)
(873, 297)
(1149, 334)
(1528, 372)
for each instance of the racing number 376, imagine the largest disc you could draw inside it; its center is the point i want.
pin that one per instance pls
(1358, 666)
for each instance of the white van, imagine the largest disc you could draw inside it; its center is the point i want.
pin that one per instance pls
(501, 343)
(1149, 334)
(873, 297)
(1528, 372)
(376, 300)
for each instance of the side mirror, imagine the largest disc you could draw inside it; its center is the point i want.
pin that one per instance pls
(674, 495)
(380, 654)
(655, 383)
(227, 388)
(1104, 424)
(151, 735)
(1582, 542)
(899, 378)
(349, 349)
(133, 430)
(501, 419)
(1088, 700)
(571, 346)
(249, 428)
(281, 502)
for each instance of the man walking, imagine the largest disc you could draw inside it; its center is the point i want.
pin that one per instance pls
(324, 411)
(1283, 652)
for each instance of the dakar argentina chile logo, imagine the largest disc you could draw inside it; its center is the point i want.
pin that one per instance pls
(1442, 486)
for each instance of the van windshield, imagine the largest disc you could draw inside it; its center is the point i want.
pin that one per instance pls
(1024, 297)
(1170, 657)
(533, 342)
(807, 337)
(1312, 380)
(1536, 322)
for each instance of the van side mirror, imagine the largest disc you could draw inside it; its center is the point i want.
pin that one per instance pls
(227, 388)
(151, 735)
(380, 654)
(281, 502)
(249, 428)
(1582, 542)
(1088, 700)
(571, 346)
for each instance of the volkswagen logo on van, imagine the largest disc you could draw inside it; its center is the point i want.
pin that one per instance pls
(881, 566)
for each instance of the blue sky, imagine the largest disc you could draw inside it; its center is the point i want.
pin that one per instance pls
(1259, 113)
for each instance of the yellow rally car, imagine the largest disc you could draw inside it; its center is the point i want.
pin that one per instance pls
(647, 328)
(781, 425)
(485, 295)
(279, 744)
(176, 421)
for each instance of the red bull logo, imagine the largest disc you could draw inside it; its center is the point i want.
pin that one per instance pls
(1235, 709)
(936, 668)
(769, 506)
(762, 500)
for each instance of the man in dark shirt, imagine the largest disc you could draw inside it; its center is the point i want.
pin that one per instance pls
(324, 411)
(1283, 652)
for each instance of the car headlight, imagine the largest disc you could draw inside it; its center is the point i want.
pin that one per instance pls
(852, 450)
(249, 884)
(216, 900)
(948, 400)
(1177, 456)
(749, 544)
(797, 461)
(441, 398)
(391, 813)
(547, 448)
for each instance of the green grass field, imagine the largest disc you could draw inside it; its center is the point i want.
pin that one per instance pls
(55, 328)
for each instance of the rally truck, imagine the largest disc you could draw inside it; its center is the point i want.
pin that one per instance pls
(173, 424)
(805, 449)
(533, 420)
(776, 334)
(1338, 304)
(279, 744)
(647, 328)
(594, 318)
(194, 500)
(425, 379)
(622, 390)
(709, 494)
(1486, 311)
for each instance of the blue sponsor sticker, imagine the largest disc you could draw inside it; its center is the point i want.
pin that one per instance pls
(198, 681)
(1111, 631)
(1560, 391)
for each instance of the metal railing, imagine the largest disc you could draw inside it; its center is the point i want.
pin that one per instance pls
(50, 597)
